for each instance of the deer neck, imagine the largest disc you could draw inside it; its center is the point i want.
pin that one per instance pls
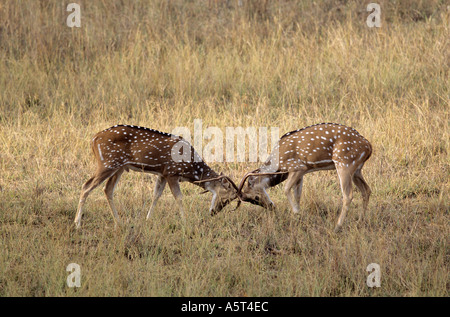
(201, 172)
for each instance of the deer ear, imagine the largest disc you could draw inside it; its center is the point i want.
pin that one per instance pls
(225, 182)
(243, 197)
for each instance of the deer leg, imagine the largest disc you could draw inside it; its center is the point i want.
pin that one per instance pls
(99, 177)
(363, 188)
(345, 178)
(109, 192)
(174, 186)
(157, 192)
(294, 180)
(298, 191)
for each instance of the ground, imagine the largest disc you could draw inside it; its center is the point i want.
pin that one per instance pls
(164, 64)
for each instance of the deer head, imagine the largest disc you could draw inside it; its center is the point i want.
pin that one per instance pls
(224, 191)
(255, 192)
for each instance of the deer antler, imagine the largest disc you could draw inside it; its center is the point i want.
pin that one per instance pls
(238, 192)
(218, 178)
(241, 184)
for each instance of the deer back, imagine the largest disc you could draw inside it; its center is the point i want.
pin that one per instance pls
(320, 146)
(149, 150)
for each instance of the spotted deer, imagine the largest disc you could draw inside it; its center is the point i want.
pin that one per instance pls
(324, 146)
(170, 157)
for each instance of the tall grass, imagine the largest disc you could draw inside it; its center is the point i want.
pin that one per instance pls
(285, 64)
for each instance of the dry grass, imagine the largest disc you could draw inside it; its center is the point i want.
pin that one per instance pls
(161, 64)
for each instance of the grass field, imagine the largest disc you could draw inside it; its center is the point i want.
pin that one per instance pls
(162, 64)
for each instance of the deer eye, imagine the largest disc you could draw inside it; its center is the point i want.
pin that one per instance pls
(257, 198)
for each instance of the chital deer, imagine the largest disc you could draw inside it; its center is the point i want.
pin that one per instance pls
(323, 146)
(125, 147)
